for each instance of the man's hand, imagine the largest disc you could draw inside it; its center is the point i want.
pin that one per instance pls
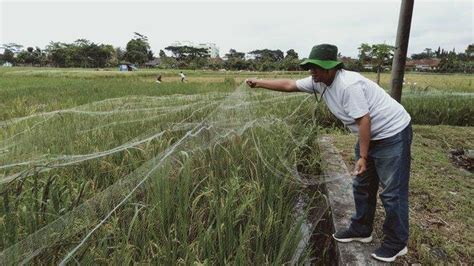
(364, 142)
(252, 82)
(360, 166)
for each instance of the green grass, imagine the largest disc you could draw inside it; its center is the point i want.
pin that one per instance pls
(424, 109)
(25, 95)
(444, 83)
(429, 109)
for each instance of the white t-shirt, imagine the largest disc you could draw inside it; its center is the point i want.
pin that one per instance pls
(352, 96)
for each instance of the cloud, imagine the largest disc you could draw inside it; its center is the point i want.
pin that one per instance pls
(243, 25)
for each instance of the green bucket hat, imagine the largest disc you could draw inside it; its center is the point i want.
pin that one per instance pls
(322, 55)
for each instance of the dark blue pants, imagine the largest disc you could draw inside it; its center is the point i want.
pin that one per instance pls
(388, 164)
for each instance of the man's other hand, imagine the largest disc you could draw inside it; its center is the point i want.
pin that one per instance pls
(360, 166)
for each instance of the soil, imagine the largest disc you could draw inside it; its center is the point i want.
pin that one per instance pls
(462, 158)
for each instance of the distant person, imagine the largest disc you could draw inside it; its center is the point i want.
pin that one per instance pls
(158, 79)
(183, 77)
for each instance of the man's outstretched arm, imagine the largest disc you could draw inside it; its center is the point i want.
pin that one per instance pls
(285, 85)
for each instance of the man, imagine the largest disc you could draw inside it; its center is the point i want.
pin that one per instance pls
(181, 74)
(382, 151)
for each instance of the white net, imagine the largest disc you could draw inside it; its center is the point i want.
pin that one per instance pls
(76, 183)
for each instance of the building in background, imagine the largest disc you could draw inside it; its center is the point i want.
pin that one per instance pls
(211, 47)
(427, 64)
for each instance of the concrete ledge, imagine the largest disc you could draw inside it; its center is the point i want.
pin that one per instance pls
(339, 191)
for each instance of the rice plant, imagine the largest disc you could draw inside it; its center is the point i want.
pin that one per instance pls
(201, 176)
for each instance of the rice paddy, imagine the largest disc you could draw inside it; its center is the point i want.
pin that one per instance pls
(108, 167)
(206, 177)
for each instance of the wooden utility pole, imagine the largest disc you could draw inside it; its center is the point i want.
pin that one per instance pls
(401, 46)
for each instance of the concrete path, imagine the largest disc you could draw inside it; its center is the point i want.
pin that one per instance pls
(339, 192)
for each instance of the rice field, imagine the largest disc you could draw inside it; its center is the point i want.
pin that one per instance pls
(112, 168)
(125, 172)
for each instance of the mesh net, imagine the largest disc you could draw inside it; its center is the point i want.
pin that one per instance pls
(158, 179)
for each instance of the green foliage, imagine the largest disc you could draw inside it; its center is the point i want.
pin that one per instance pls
(364, 53)
(230, 82)
(13, 47)
(424, 109)
(33, 57)
(189, 57)
(451, 62)
(81, 53)
(235, 60)
(8, 56)
(138, 50)
(291, 61)
(187, 53)
(268, 55)
(427, 109)
(379, 55)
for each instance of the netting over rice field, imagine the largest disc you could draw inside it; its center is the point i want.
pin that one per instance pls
(206, 178)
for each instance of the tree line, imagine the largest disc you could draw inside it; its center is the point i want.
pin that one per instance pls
(87, 54)
(81, 53)
(450, 61)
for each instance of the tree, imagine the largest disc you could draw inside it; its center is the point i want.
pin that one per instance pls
(40, 57)
(81, 51)
(25, 57)
(419, 56)
(267, 60)
(379, 55)
(438, 52)
(137, 50)
(428, 52)
(186, 53)
(10, 50)
(103, 55)
(8, 56)
(354, 65)
(268, 55)
(291, 54)
(162, 54)
(382, 55)
(120, 54)
(58, 54)
(13, 47)
(470, 51)
(216, 63)
(364, 52)
(150, 55)
(235, 60)
(291, 61)
(166, 61)
(233, 54)
(187, 56)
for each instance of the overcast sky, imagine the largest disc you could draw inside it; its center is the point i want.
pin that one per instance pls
(242, 25)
